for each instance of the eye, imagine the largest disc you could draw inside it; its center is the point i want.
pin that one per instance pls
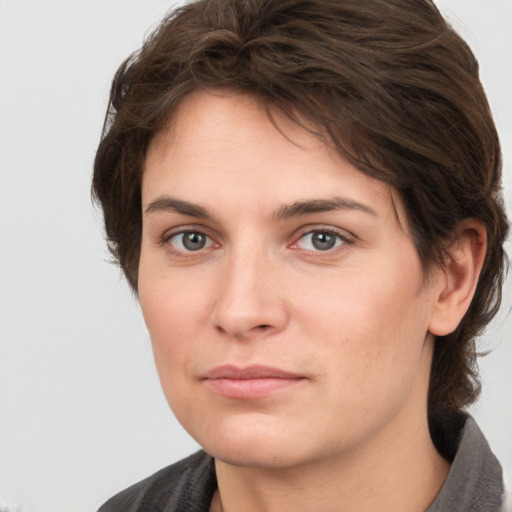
(320, 240)
(190, 241)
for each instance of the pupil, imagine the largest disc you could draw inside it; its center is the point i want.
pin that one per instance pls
(194, 241)
(323, 241)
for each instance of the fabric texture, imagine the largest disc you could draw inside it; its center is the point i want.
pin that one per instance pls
(474, 483)
(187, 486)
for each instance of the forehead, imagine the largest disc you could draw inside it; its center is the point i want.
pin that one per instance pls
(225, 119)
(223, 147)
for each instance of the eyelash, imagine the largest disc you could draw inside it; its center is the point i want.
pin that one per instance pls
(341, 241)
(166, 240)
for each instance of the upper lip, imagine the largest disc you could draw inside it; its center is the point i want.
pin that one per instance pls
(249, 372)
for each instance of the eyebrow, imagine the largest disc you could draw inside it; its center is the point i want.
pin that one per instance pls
(310, 206)
(169, 204)
(286, 211)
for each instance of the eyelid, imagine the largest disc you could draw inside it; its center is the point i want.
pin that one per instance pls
(181, 230)
(345, 237)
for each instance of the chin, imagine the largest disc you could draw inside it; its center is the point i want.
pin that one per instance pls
(256, 444)
(262, 454)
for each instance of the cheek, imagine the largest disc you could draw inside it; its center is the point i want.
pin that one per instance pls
(169, 307)
(167, 316)
(175, 316)
(171, 299)
(170, 317)
(371, 323)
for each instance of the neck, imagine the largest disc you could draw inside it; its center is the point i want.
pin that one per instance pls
(388, 474)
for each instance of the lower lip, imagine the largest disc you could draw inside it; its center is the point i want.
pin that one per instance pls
(250, 388)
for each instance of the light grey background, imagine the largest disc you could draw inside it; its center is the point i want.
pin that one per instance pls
(82, 414)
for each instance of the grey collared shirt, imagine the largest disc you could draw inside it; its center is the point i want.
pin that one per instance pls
(475, 482)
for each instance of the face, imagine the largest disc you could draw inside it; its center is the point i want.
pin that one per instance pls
(286, 303)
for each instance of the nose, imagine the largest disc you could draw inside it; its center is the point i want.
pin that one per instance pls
(250, 299)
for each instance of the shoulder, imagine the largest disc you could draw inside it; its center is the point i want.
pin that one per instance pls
(187, 485)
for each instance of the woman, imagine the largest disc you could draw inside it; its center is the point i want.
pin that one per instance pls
(305, 198)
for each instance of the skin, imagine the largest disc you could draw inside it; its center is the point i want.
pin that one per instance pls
(353, 323)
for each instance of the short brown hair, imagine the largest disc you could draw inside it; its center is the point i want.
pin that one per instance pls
(388, 82)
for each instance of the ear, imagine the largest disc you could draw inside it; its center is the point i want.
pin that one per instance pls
(459, 277)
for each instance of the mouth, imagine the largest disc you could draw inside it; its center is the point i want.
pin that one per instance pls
(249, 383)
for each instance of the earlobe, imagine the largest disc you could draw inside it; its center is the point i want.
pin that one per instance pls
(459, 277)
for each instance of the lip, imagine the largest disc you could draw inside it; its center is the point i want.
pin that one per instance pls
(251, 382)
